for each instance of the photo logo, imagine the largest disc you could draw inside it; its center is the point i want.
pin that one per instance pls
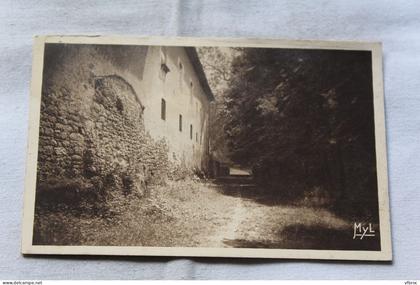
(361, 231)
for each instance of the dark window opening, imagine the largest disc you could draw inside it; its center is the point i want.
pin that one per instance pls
(196, 137)
(163, 110)
(191, 131)
(180, 123)
(191, 92)
(164, 68)
(181, 74)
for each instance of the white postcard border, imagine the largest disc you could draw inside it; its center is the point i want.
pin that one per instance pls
(385, 254)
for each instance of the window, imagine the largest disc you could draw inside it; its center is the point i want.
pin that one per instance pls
(191, 132)
(163, 109)
(164, 69)
(180, 123)
(181, 74)
(196, 137)
(191, 92)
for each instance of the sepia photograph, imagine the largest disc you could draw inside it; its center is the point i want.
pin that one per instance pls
(206, 147)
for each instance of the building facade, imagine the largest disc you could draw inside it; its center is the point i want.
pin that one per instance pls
(122, 114)
(176, 97)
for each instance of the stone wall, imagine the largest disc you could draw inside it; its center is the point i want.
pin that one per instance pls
(91, 129)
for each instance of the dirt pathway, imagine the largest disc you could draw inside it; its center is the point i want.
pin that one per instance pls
(228, 230)
(253, 223)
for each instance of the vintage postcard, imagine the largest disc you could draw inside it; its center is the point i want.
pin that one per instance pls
(206, 147)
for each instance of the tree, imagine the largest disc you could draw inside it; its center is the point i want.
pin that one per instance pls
(217, 63)
(304, 115)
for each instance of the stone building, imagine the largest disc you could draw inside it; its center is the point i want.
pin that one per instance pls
(121, 115)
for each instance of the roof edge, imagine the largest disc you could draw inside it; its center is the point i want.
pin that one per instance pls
(198, 68)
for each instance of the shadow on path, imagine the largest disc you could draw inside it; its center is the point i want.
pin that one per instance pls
(299, 236)
(245, 187)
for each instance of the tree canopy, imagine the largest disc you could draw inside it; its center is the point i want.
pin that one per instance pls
(303, 114)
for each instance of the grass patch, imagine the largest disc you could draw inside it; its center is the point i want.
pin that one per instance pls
(169, 215)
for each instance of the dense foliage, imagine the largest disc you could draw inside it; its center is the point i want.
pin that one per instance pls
(304, 116)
